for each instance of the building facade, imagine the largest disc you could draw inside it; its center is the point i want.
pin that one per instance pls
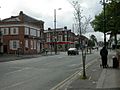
(22, 34)
(62, 37)
(81, 41)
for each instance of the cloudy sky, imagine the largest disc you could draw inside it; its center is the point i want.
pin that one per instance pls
(44, 10)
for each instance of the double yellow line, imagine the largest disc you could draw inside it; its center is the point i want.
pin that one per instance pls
(71, 78)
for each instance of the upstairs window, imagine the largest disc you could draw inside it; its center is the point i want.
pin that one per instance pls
(33, 32)
(26, 31)
(5, 31)
(14, 31)
(38, 33)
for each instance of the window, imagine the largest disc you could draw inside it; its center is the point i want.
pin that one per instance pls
(32, 32)
(38, 46)
(26, 43)
(14, 44)
(60, 38)
(38, 33)
(26, 31)
(5, 31)
(14, 31)
(34, 44)
(48, 39)
(31, 44)
(66, 39)
(48, 34)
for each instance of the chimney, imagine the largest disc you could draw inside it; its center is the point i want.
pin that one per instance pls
(21, 13)
(49, 28)
(21, 16)
(65, 27)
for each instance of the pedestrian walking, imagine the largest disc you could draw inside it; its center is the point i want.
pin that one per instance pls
(46, 51)
(104, 53)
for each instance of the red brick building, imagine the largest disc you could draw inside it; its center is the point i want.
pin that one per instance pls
(22, 34)
(64, 38)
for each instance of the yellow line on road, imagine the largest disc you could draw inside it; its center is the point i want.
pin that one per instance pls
(68, 80)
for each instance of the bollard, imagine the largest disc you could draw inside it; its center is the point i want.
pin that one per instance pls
(115, 62)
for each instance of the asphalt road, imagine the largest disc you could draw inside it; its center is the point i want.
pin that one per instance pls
(41, 73)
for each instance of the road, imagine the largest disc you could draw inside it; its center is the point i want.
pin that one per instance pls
(40, 73)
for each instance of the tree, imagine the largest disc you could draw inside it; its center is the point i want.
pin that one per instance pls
(81, 28)
(81, 21)
(93, 39)
(112, 19)
(90, 45)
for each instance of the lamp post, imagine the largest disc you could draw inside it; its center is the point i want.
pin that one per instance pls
(104, 20)
(55, 34)
(104, 4)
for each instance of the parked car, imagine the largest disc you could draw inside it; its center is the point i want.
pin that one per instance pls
(73, 51)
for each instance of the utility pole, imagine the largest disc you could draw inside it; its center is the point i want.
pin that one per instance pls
(55, 33)
(104, 5)
(55, 36)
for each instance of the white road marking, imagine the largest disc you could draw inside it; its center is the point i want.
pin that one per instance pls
(26, 68)
(18, 83)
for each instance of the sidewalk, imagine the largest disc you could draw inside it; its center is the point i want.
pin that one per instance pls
(110, 77)
(98, 78)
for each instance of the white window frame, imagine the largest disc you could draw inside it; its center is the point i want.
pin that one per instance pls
(26, 44)
(14, 29)
(33, 32)
(60, 38)
(5, 31)
(38, 33)
(26, 31)
(31, 44)
(14, 44)
(35, 44)
(48, 39)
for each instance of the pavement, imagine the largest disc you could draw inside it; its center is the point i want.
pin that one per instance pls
(98, 78)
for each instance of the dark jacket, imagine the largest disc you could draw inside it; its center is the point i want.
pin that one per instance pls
(103, 52)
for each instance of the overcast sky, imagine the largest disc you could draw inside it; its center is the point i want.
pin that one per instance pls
(44, 10)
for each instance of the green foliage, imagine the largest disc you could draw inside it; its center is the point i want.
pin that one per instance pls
(93, 38)
(112, 18)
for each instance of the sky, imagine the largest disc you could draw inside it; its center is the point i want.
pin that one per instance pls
(44, 10)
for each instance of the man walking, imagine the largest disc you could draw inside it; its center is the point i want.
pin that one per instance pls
(104, 53)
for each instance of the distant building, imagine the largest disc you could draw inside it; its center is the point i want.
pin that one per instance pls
(81, 41)
(63, 37)
(22, 34)
(1, 43)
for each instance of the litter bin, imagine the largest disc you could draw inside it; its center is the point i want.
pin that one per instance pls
(115, 62)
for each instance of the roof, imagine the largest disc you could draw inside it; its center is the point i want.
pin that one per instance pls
(21, 16)
(28, 18)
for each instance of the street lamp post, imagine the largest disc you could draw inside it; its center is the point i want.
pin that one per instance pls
(55, 39)
(104, 20)
(104, 4)
(55, 34)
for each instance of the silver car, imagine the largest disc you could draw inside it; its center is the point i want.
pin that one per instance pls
(73, 51)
